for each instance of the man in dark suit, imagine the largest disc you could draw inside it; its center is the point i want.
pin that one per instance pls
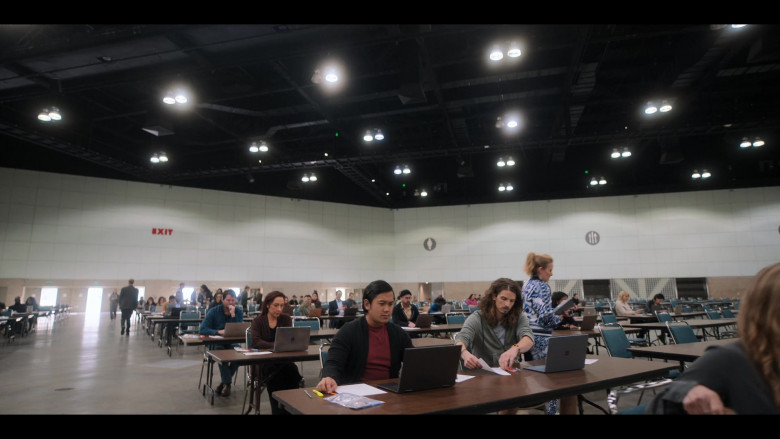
(336, 307)
(127, 303)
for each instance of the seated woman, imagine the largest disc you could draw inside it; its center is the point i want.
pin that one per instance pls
(149, 303)
(263, 329)
(567, 321)
(472, 300)
(741, 377)
(622, 308)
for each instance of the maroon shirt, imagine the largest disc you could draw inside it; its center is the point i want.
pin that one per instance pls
(378, 361)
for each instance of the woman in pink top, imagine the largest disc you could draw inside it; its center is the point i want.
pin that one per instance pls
(471, 301)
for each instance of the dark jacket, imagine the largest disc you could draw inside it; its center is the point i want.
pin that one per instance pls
(399, 317)
(348, 352)
(128, 297)
(215, 320)
(262, 337)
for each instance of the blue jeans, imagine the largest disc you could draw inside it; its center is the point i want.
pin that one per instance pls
(226, 371)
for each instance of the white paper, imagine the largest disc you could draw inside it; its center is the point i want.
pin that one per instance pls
(460, 378)
(495, 370)
(257, 353)
(359, 389)
(591, 360)
(410, 329)
(216, 336)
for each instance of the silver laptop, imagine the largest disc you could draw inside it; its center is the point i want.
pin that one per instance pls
(291, 338)
(588, 322)
(564, 353)
(588, 311)
(446, 308)
(235, 329)
(426, 368)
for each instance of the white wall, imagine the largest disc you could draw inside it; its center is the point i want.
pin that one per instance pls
(72, 227)
(691, 234)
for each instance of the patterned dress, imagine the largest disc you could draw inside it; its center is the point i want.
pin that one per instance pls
(537, 306)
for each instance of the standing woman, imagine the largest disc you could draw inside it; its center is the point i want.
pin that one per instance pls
(263, 330)
(537, 305)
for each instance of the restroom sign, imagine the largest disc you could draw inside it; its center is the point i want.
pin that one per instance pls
(592, 237)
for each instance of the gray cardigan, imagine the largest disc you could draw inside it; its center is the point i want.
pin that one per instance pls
(483, 343)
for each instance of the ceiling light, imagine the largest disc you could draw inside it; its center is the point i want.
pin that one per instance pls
(180, 97)
(397, 170)
(331, 75)
(326, 154)
(379, 135)
(407, 170)
(423, 193)
(155, 159)
(510, 161)
(626, 152)
(593, 181)
(602, 181)
(305, 178)
(496, 54)
(387, 193)
(501, 187)
(745, 143)
(263, 147)
(373, 180)
(44, 115)
(259, 161)
(500, 162)
(737, 26)
(514, 51)
(705, 174)
(368, 137)
(253, 147)
(54, 114)
(509, 187)
(615, 153)
(312, 177)
(168, 99)
(757, 142)
(665, 106)
(163, 157)
(695, 174)
(511, 123)
(650, 108)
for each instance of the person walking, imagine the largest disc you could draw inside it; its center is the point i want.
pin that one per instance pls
(113, 300)
(127, 303)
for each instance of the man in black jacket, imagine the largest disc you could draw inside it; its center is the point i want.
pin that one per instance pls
(127, 303)
(369, 348)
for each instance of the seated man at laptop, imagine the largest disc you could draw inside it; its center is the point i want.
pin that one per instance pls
(368, 348)
(279, 376)
(499, 331)
(214, 324)
(305, 306)
(405, 312)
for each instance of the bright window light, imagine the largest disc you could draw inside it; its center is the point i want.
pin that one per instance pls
(48, 296)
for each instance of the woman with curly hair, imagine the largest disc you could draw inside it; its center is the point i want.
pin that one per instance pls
(742, 377)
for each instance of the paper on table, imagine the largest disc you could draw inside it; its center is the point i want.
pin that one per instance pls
(591, 360)
(460, 378)
(496, 370)
(216, 336)
(359, 389)
(410, 329)
(257, 353)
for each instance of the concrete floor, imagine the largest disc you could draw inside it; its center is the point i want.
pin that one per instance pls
(80, 365)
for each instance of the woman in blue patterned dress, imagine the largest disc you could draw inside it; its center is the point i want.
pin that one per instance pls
(538, 308)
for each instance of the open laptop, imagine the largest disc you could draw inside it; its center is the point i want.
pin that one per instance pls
(589, 311)
(316, 312)
(564, 353)
(236, 329)
(424, 321)
(350, 312)
(291, 338)
(588, 322)
(426, 368)
(446, 308)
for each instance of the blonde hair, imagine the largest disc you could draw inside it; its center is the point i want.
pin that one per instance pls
(759, 326)
(536, 260)
(623, 294)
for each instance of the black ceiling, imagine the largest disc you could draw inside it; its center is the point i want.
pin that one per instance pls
(580, 90)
